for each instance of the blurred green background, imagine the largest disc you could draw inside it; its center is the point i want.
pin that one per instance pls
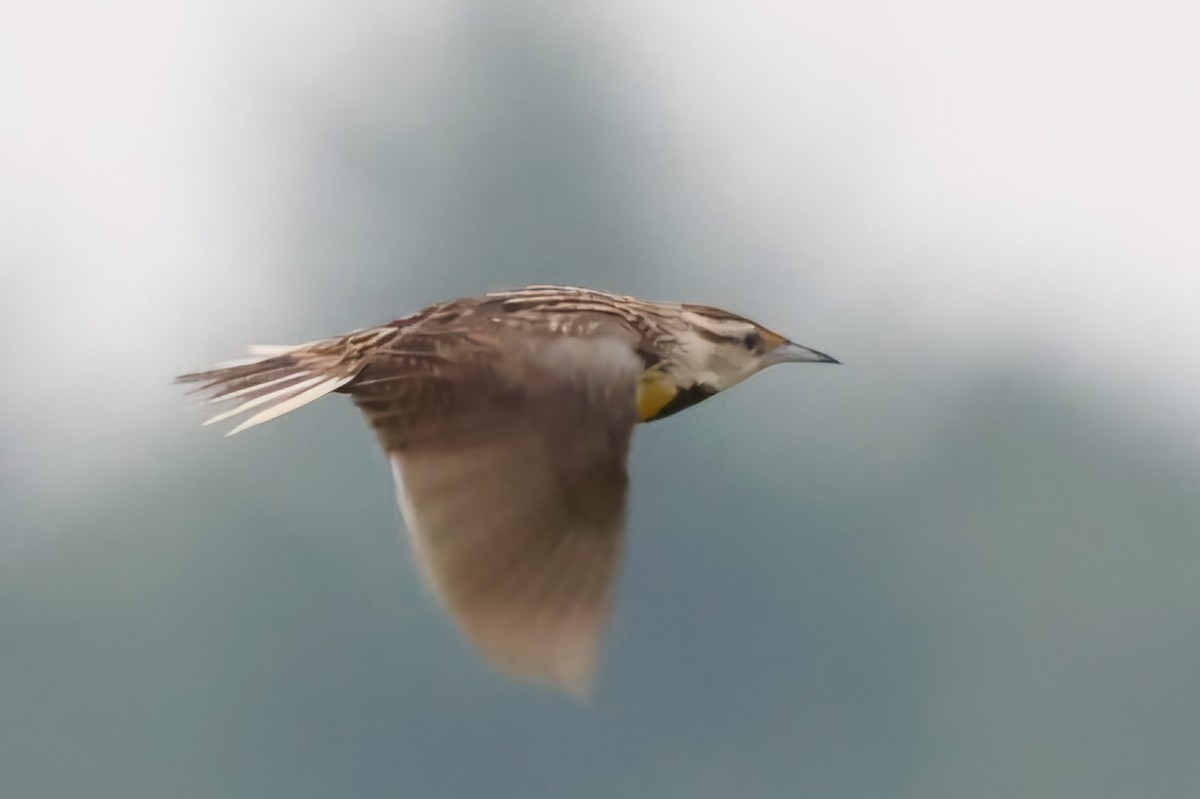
(965, 564)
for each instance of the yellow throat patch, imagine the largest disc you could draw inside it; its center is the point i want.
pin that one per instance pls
(653, 393)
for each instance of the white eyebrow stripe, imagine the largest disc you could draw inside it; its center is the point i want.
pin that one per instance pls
(731, 328)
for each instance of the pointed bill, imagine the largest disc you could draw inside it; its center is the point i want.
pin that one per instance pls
(796, 353)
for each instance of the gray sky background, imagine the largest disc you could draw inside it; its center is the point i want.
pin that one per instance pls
(966, 563)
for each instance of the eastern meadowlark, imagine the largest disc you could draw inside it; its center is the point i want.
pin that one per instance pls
(507, 420)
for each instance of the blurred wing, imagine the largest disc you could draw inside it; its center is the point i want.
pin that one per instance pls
(510, 462)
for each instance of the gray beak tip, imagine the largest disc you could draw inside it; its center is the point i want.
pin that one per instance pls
(796, 353)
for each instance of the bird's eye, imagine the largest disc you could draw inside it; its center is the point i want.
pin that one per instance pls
(752, 342)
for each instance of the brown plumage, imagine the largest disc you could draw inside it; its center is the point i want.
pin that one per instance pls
(507, 419)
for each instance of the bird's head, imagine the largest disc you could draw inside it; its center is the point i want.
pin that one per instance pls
(712, 350)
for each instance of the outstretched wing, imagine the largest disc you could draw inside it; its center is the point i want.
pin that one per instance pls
(508, 443)
(510, 461)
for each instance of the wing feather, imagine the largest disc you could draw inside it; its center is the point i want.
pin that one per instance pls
(514, 497)
(508, 442)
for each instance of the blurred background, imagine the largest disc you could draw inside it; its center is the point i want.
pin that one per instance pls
(965, 563)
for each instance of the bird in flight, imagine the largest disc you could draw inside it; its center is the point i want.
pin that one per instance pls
(507, 419)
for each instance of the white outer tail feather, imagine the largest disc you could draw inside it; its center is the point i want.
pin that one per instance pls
(291, 403)
(310, 371)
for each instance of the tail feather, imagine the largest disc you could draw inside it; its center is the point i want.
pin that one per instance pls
(278, 380)
(292, 401)
(255, 389)
(279, 394)
(266, 350)
(229, 379)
